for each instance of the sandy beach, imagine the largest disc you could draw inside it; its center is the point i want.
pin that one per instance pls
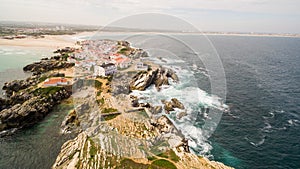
(49, 41)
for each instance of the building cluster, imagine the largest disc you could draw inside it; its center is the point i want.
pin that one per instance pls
(102, 58)
(99, 58)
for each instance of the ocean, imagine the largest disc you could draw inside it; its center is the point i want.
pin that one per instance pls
(252, 82)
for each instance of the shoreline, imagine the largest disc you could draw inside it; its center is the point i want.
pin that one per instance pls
(49, 41)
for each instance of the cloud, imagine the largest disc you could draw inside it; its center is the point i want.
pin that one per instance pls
(242, 14)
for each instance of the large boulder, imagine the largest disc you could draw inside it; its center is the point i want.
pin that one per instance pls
(177, 104)
(158, 77)
(171, 105)
(142, 80)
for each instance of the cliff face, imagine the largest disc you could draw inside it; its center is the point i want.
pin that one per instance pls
(140, 138)
(85, 153)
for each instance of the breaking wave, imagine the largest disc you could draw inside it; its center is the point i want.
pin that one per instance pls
(199, 106)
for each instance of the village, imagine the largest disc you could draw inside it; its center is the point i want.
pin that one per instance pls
(101, 58)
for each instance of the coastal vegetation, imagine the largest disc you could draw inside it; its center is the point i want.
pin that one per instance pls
(108, 110)
(162, 163)
(46, 91)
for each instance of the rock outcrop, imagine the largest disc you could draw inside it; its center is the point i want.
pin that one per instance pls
(158, 77)
(11, 88)
(34, 108)
(47, 65)
(17, 85)
(70, 123)
(142, 80)
(3, 104)
(171, 105)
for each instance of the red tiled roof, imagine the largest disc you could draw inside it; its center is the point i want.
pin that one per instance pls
(120, 59)
(55, 81)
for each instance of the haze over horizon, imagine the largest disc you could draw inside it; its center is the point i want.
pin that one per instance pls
(263, 16)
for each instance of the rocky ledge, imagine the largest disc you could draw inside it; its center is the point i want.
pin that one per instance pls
(47, 65)
(37, 104)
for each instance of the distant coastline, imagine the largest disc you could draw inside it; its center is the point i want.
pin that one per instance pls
(48, 41)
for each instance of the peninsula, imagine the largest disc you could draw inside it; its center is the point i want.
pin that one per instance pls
(114, 129)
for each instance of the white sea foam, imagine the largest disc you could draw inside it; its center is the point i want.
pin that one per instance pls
(21, 53)
(293, 122)
(267, 128)
(271, 113)
(258, 143)
(194, 99)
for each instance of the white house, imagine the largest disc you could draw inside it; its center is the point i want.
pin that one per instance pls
(105, 70)
(99, 71)
(110, 68)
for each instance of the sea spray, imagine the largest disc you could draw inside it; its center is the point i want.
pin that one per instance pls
(200, 107)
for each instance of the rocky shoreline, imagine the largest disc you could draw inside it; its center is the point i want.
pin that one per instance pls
(26, 103)
(114, 129)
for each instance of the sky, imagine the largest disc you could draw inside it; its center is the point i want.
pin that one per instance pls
(262, 16)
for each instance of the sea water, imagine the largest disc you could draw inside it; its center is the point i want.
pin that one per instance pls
(37, 146)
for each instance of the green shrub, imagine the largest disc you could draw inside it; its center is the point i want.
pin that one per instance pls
(93, 148)
(130, 164)
(110, 117)
(170, 154)
(46, 91)
(43, 78)
(163, 155)
(108, 110)
(100, 101)
(163, 164)
(173, 156)
(151, 158)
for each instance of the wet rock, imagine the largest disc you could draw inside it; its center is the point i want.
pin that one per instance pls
(170, 105)
(142, 80)
(163, 124)
(156, 109)
(70, 122)
(17, 85)
(181, 114)
(139, 53)
(161, 79)
(47, 65)
(3, 103)
(146, 105)
(177, 104)
(184, 145)
(158, 77)
(31, 111)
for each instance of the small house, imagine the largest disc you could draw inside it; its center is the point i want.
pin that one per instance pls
(122, 62)
(55, 82)
(105, 69)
